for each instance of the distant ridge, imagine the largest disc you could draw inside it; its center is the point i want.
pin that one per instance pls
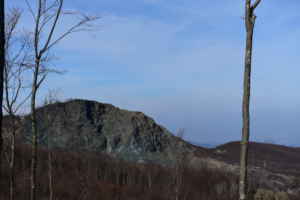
(206, 145)
(272, 157)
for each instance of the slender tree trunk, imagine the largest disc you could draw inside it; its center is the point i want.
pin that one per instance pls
(2, 67)
(34, 132)
(12, 163)
(50, 175)
(246, 120)
(34, 151)
(249, 23)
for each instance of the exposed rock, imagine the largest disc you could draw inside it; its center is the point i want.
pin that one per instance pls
(82, 125)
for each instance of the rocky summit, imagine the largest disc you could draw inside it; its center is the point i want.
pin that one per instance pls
(81, 125)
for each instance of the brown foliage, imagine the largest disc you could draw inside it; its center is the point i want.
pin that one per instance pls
(96, 176)
(93, 176)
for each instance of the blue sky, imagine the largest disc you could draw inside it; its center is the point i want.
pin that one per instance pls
(181, 62)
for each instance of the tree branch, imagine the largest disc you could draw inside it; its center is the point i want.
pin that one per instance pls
(41, 80)
(30, 10)
(58, 13)
(256, 3)
(74, 28)
(36, 30)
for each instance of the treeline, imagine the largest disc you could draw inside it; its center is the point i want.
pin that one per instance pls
(94, 176)
(84, 175)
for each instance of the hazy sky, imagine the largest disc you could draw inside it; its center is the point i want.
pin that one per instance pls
(181, 62)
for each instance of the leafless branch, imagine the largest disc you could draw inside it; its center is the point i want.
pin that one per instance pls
(30, 10)
(17, 108)
(16, 53)
(41, 80)
(75, 28)
(256, 3)
(57, 15)
(36, 30)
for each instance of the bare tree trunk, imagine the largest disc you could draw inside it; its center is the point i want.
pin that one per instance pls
(179, 165)
(2, 67)
(12, 164)
(249, 23)
(246, 122)
(50, 175)
(34, 133)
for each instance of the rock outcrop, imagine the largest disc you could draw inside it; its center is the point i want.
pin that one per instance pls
(81, 125)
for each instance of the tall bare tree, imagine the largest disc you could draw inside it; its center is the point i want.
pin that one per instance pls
(180, 165)
(17, 49)
(2, 66)
(46, 18)
(249, 23)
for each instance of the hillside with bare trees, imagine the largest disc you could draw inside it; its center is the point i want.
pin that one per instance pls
(89, 129)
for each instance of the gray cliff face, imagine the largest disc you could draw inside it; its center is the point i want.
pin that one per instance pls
(91, 126)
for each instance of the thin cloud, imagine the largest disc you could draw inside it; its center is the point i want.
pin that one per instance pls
(182, 63)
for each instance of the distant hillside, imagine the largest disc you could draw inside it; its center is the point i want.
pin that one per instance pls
(205, 145)
(276, 158)
(275, 166)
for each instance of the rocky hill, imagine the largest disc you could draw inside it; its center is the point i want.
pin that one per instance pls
(81, 125)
